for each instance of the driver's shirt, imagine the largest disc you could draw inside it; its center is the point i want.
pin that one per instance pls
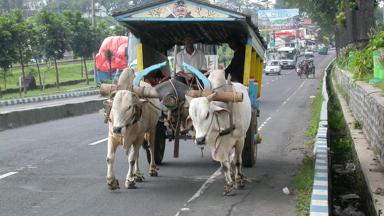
(197, 60)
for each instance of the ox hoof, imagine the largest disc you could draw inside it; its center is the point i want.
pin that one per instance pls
(113, 185)
(153, 173)
(130, 184)
(139, 177)
(240, 184)
(229, 190)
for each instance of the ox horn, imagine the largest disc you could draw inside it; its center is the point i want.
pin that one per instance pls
(229, 79)
(211, 96)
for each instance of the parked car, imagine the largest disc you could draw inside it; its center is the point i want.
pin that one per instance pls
(273, 67)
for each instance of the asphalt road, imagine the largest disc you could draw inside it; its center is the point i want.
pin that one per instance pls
(59, 168)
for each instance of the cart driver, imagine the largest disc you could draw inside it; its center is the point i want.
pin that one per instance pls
(191, 56)
(236, 67)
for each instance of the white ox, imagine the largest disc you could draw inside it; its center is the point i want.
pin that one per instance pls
(131, 119)
(209, 118)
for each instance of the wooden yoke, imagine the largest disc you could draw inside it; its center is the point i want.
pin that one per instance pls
(220, 96)
(108, 90)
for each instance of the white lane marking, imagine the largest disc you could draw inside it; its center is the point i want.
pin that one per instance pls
(278, 109)
(7, 175)
(209, 181)
(98, 142)
(212, 178)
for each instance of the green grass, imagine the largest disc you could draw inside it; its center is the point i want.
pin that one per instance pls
(358, 124)
(315, 117)
(47, 91)
(67, 72)
(380, 85)
(303, 182)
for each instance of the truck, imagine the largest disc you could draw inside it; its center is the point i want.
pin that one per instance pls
(287, 57)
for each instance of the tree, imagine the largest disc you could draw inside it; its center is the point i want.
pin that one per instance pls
(58, 6)
(80, 36)
(54, 37)
(7, 49)
(21, 37)
(281, 4)
(36, 43)
(111, 5)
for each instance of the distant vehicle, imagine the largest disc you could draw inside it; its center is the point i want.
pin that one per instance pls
(273, 67)
(309, 55)
(305, 68)
(323, 50)
(287, 57)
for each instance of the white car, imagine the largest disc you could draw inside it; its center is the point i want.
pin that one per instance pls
(309, 55)
(273, 67)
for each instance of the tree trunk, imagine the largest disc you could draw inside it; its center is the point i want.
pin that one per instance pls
(43, 80)
(57, 75)
(23, 72)
(81, 66)
(110, 70)
(5, 79)
(86, 71)
(38, 71)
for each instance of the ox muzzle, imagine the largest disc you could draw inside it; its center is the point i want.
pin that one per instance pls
(117, 130)
(200, 141)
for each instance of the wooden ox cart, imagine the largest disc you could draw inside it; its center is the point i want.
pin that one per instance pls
(157, 31)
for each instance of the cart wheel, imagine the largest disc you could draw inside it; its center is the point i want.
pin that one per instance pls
(249, 154)
(160, 140)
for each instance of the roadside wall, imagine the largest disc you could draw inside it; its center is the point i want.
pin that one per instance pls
(367, 105)
(25, 117)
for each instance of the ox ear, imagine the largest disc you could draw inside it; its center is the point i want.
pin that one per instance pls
(188, 123)
(219, 110)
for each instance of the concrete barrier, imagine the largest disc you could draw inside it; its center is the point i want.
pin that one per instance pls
(14, 119)
(27, 100)
(320, 200)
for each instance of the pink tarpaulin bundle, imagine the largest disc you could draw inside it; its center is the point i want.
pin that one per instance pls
(117, 44)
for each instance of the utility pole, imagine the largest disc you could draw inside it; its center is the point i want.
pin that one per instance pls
(93, 13)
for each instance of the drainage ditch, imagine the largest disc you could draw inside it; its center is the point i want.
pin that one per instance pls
(349, 193)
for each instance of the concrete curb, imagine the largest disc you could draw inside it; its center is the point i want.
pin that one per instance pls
(320, 200)
(37, 115)
(48, 97)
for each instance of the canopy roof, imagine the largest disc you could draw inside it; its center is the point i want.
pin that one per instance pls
(164, 23)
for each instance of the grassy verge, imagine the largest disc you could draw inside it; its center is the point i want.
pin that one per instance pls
(37, 92)
(380, 85)
(303, 180)
(315, 116)
(67, 72)
(303, 183)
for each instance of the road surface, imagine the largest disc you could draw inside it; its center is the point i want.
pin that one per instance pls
(58, 167)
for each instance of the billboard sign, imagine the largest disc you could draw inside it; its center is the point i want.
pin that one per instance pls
(278, 19)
